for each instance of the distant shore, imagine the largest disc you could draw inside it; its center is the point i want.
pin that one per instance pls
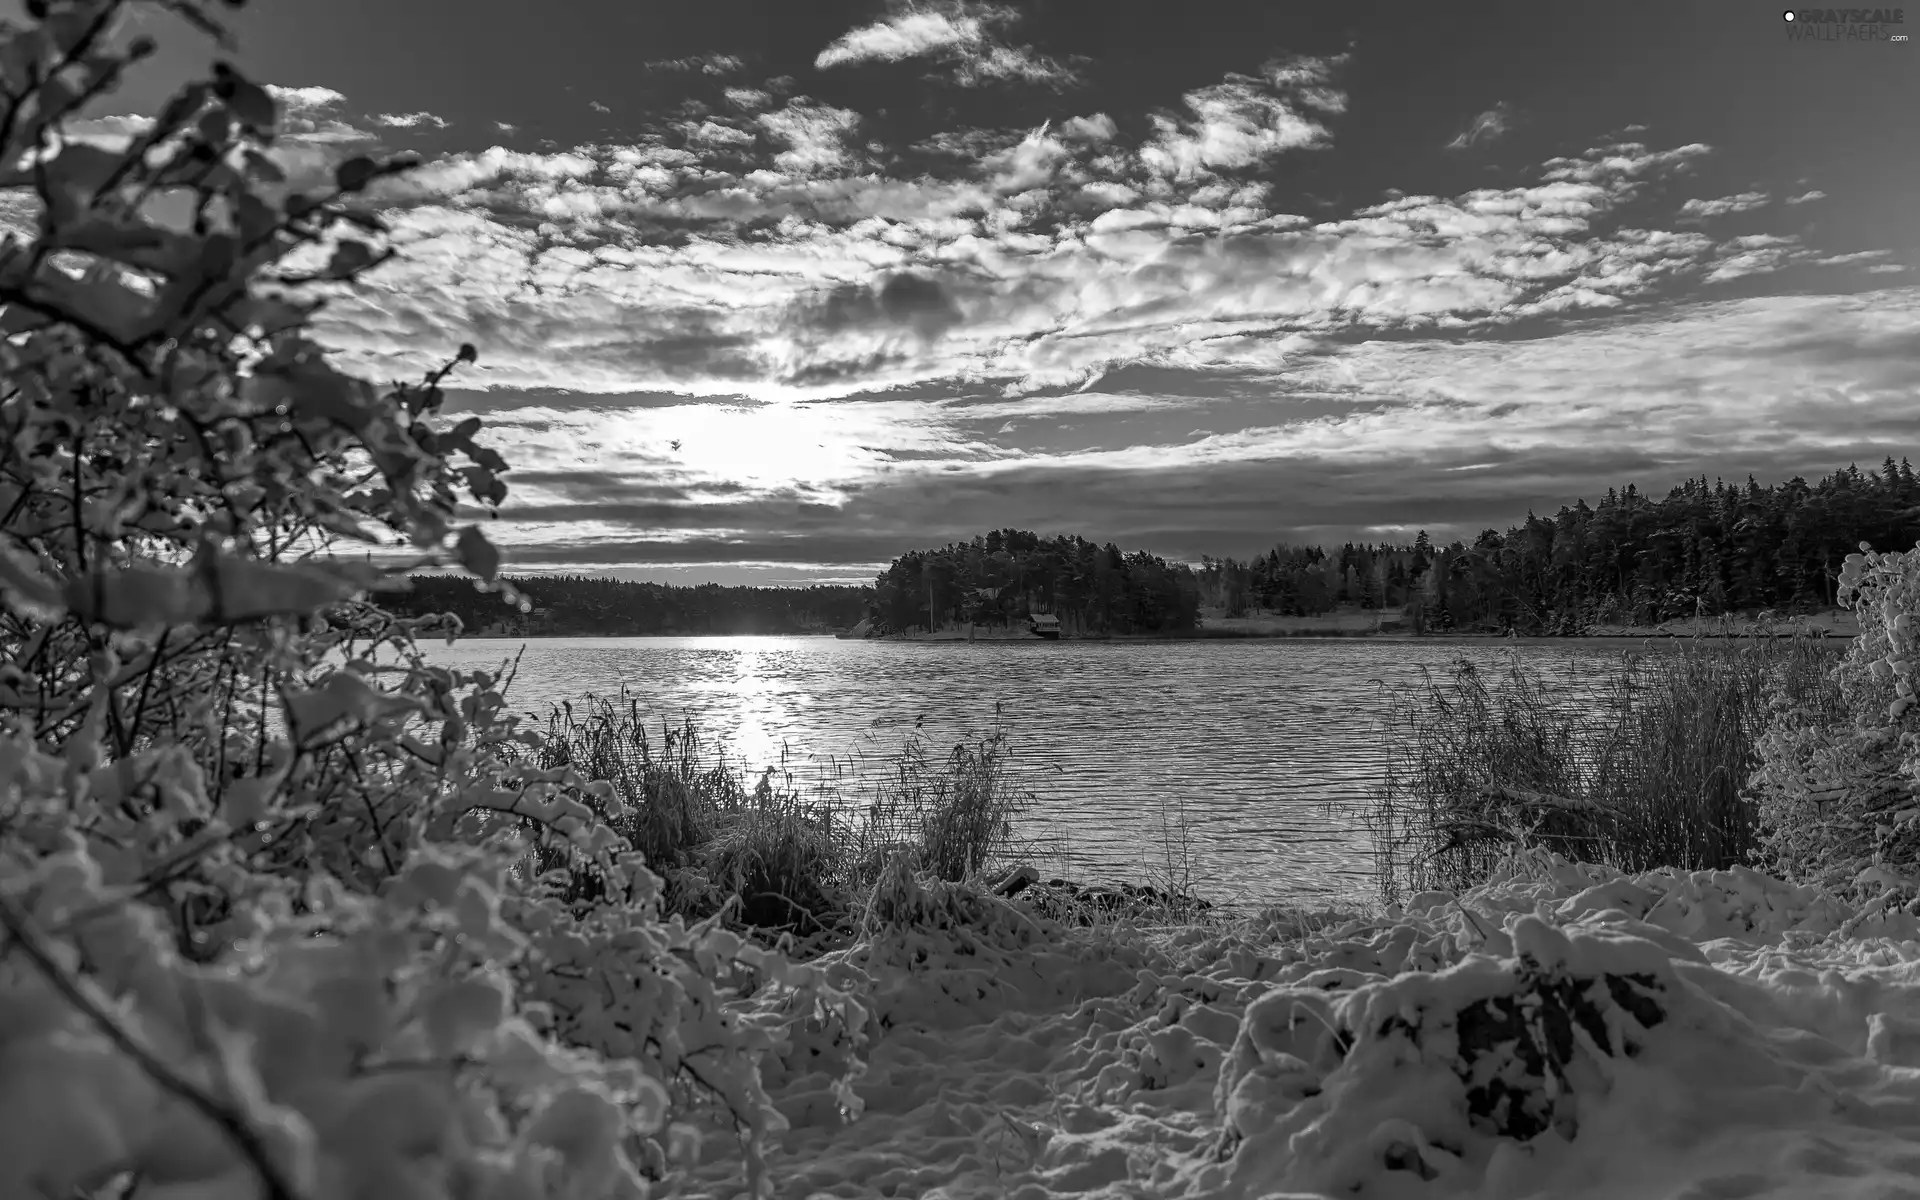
(1351, 623)
(1394, 628)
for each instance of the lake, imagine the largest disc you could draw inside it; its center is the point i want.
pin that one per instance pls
(1266, 746)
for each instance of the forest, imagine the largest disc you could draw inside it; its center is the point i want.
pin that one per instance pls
(999, 577)
(1705, 549)
(575, 605)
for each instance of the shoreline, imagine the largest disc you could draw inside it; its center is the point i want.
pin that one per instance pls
(1312, 635)
(1836, 625)
(1334, 636)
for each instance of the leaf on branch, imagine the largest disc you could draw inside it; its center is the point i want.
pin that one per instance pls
(344, 525)
(79, 167)
(135, 597)
(218, 253)
(355, 173)
(312, 390)
(363, 220)
(52, 100)
(241, 589)
(244, 802)
(476, 553)
(177, 782)
(214, 126)
(349, 257)
(17, 319)
(263, 169)
(484, 486)
(68, 28)
(135, 245)
(184, 104)
(215, 587)
(428, 528)
(100, 299)
(253, 106)
(270, 314)
(344, 696)
(28, 592)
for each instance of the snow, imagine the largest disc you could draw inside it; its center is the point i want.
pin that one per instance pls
(1569, 1032)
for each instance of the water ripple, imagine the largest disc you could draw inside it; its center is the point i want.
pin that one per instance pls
(1264, 747)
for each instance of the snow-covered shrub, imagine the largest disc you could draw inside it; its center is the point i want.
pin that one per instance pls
(370, 1046)
(268, 920)
(1567, 1025)
(1836, 792)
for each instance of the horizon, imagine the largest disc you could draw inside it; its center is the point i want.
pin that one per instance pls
(1409, 546)
(773, 293)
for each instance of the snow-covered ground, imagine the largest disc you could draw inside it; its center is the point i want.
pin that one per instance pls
(1570, 1033)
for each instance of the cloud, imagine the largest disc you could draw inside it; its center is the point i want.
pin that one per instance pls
(503, 127)
(309, 114)
(1807, 197)
(1858, 256)
(1034, 322)
(997, 64)
(1097, 128)
(1624, 161)
(816, 136)
(714, 133)
(1243, 121)
(1352, 442)
(1060, 319)
(959, 35)
(121, 125)
(1744, 202)
(1487, 127)
(304, 101)
(114, 132)
(909, 35)
(409, 120)
(768, 257)
(705, 64)
(598, 107)
(1752, 255)
(1047, 260)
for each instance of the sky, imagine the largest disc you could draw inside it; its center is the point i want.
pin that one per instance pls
(772, 292)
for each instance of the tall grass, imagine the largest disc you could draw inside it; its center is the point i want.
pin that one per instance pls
(1641, 765)
(778, 853)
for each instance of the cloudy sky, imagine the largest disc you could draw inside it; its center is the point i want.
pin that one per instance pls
(771, 291)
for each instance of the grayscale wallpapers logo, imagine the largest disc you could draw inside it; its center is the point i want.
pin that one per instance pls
(1845, 24)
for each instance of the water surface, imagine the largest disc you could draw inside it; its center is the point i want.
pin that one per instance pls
(1265, 747)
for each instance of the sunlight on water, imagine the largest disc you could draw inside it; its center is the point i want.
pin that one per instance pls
(1265, 747)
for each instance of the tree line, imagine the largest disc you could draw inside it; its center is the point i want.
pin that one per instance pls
(1705, 549)
(1002, 576)
(567, 605)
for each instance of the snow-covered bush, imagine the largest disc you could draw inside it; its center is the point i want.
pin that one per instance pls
(1565, 1030)
(1837, 791)
(267, 921)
